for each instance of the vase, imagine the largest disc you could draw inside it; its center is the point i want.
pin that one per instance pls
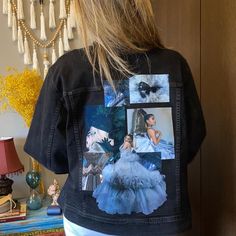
(34, 202)
(33, 179)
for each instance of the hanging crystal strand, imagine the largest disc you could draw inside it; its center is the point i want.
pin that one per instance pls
(46, 63)
(69, 27)
(54, 55)
(32, 15)
(20, 10)
(65, 38)
(27, 56)
(4, 7)
(62, 14)
(14, 26)
(52, 22)
(72, 14)
(60, 45)
(9, 14)
(42, 25)
(20, 40)
(35, 59)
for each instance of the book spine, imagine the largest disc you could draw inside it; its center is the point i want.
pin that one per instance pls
(12, 219)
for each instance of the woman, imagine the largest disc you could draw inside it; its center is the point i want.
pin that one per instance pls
(153, 134)
(128, 186)
(151, 140)
(124, 43)
(117, 28)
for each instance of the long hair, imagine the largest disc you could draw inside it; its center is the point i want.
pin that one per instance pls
(115, 27)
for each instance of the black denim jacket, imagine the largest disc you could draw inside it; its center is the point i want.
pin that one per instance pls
(80, 127)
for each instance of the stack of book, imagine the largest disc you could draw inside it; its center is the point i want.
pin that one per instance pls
(18, 213)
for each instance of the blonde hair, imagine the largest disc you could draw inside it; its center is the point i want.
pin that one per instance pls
(116, 27)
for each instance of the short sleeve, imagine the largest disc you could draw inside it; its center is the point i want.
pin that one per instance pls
(195, 122)
(46, 139)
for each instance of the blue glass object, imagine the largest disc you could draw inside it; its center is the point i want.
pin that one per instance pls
(34, 202)
(33, 178)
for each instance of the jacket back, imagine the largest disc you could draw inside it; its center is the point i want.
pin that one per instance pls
(126, 151)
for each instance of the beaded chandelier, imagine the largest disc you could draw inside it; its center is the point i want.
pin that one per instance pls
(22, 32)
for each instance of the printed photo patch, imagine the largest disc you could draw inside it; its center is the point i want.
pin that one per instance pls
(118, 98)
(104, 131)
(152, 130)
(150, 88)
(93, 164)
(123, 176)
(127, 185)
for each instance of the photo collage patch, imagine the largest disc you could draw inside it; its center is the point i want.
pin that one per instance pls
(126, 141)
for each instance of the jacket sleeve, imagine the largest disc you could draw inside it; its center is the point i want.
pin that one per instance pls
(46, 139)
(195, 122)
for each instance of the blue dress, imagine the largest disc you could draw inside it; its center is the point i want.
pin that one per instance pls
(145, 144)
(127, 186)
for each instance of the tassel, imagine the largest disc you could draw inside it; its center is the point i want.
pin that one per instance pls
(9, 14)
(32, 15)
(54, 56)
(20, 10)
(72, 14)
(42, 26)
(69, 28)
(4, 7)
(62, 9)
(27, 57)
(20, 40)
(14, 27)
(52, 22)
(61, 47)
(65, 38)
(46, 65)
(35, 60)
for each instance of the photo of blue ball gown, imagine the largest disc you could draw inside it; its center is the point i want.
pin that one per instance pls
(128, 186)
(145, 144)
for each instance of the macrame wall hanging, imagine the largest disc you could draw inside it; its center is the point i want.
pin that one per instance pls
(23, 32)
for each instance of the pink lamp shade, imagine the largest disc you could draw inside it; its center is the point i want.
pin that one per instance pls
(9, 160)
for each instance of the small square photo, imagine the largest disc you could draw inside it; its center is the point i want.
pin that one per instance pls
(149, 88)
(118, 98)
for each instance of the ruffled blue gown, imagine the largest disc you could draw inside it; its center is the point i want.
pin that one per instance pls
(127, 186)
(145, 144)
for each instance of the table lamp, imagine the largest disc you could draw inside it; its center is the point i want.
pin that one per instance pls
(9, 164)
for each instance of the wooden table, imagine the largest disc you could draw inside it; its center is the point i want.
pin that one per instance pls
(37, 222)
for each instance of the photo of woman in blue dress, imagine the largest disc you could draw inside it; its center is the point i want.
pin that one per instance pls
(127, 186)
(149, 138)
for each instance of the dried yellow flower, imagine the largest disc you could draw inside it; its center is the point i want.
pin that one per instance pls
(19, 91)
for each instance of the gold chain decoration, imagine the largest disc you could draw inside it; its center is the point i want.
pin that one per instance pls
(33, 38)
(22, 32)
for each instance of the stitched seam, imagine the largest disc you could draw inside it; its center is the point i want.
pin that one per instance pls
(77, 142)
(52, 133)
(82, 89)
(178, 147)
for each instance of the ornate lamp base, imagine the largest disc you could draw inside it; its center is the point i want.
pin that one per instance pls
(5, 185)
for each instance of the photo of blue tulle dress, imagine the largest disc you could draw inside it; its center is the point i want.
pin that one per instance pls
(127, 186)
(145, 144)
